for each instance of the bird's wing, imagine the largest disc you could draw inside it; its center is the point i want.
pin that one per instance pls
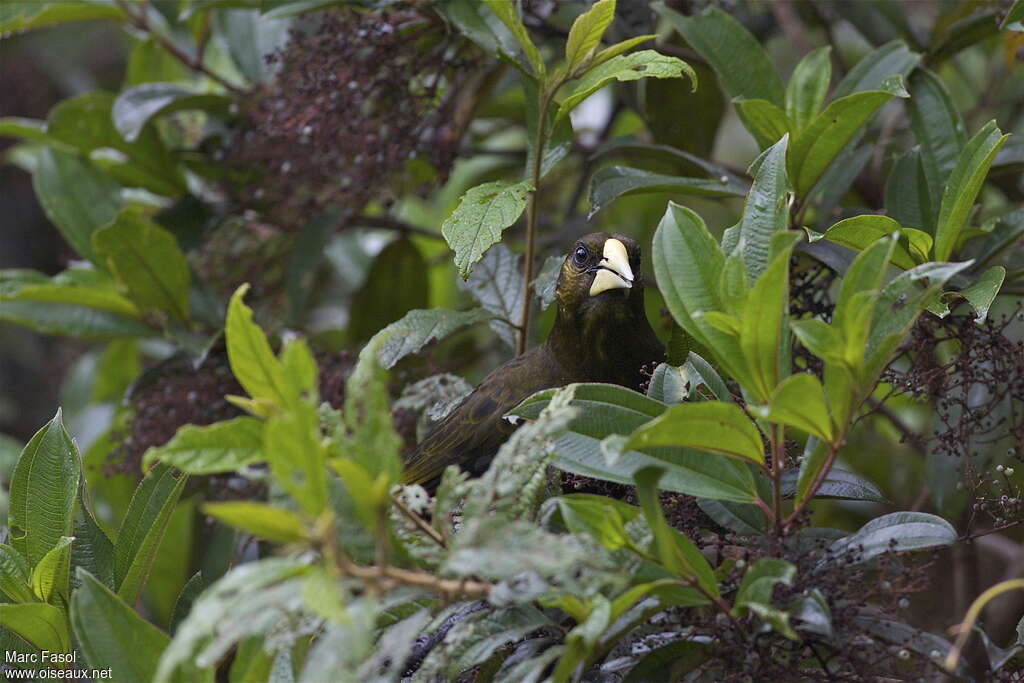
(475, 428)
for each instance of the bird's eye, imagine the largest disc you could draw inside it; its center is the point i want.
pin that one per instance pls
(579, 256)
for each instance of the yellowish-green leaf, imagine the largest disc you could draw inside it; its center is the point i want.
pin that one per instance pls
(252, 362)
(585, 34)
(260, 520)
(711, 426)
(799, 401)
(479, 219)
(506, 11)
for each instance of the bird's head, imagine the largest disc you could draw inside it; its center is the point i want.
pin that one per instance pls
(600, 273)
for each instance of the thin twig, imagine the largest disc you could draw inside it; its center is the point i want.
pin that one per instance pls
(421, 523)
(387, 577)
(390, 223)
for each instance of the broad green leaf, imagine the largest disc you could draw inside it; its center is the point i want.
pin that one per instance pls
(677, 553)
(712, 426)
(134, 107)
(799, 401)
(30, 130)
(210, 449)
(146, 259)
(107, 629)
(742, 65)
(864, 275)
(608, 412)
(962, 188)
(860, 232)
(76, 286)
(871, 72)
(585, 34)
(421, 327)
(291, 444)
(15, 575)
(77, 197)
(301, 372)
(807, 87)
(820, 338)
(896, 532)
(50, 577)
(72, 320)
(44, 626)
(192, 589)
(765, 121)
(252, 362)
(143, 528)
(765, 212)
(668, 663)
(92, 549)
(259, 519)
(962, 33)
(478, 23)
(620, 47)
(631, 67)
(763, 335)
(506, 11)
(982, 292)
(118, 368)
(601, 517)
(479, 219)
(42, 492)
(839, 484)
(397, 283)
(1014, 16)
(86, 123)
(938, 129)
(669, 384)
(759, 581)
(687, 263)
(699, 372)
(612, 182)
(908, 199)
(306, 256)
(150, 62)
(817, 145)
(23, 16)
(497, 285)
(249, 37)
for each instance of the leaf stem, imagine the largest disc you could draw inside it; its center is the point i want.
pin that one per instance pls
(539, 143)
(778, 441)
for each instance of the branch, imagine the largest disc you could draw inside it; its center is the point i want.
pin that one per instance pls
(387, 577)
(420, 523)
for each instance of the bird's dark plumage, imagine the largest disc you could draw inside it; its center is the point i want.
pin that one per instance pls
(601, 334)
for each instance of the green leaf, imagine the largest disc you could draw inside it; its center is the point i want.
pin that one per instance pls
(938, 130)
(839, 484)
(15, 574)
(1014, 16)
(135, 107)
(76, 286)
(43, 626)
(601, 517)
(908, 199)
(506, 11)
(291, 444)
(820, 338)
(497, 285)
(677, 553)
(252, 362)
(807, 87)
(396, 284)
(764, 213)
(23, 16)
(50, 576)
(421, 327)
(743, 518)
(963, 186)
(864, 275)
(687, 263)
(118, 368)
(669, 384)
(77, 197)
(860, 232)
(699, 372)
(147, 261)
(607, 410)
(765, 121)
(815, 147)
(871, 72)
(484, 28)
(982, 292)
(249, 37)
(585, 34)
(29, 130)
(711, 426)
(211, 449)
(742, 65)
(799, 401)
(70, 319)
(260, 520)
(759, 581)
(896, 532)
(612, 182)
(631, 67)
(42, 492)
(106, 629)
(143, 528)
(479, 219)
(620, 47)
(669, 663)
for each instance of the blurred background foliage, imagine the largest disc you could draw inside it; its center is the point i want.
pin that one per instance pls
(313, 148)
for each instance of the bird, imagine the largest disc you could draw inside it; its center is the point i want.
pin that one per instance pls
(600, 334)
